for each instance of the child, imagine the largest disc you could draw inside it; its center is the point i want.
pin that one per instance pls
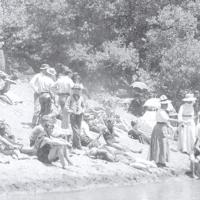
(76, 106)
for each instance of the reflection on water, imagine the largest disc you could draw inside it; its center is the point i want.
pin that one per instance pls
(173, 189)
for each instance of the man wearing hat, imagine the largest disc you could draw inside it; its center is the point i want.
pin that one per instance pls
(63, 88)
(187, 131)
(40, 83)
(76, 107)
(46, 93)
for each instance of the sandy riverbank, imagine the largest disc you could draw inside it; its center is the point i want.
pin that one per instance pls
(33, 176)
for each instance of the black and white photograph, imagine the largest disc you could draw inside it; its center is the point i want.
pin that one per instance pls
(100, 99)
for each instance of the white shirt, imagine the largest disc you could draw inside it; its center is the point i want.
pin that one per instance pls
(186, 112)
(41, 83)
(64, 85)
(77, 106)
(162, 116)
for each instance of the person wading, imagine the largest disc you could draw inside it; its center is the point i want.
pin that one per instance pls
(63, 87)
(36, 84)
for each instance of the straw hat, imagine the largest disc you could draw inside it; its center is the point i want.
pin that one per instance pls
(65, 70)
(44, 66)
(164, 100)
(189, 97)
(51, 71)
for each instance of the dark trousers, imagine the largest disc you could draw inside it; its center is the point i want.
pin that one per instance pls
(36, 109)
(76, 121)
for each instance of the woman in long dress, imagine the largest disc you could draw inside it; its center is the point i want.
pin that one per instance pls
(159, 147)
(187, 133)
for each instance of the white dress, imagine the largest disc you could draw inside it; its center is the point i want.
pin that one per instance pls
(187, 131)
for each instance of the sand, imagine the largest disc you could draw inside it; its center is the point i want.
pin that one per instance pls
(33, 176)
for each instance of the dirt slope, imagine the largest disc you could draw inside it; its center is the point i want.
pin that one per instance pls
(31, 175)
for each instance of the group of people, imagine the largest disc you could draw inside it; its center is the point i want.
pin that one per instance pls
(58, 125)
(188, 131)
(60, 95)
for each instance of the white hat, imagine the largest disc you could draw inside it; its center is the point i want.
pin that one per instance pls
(164, 100)
(189, 97)
(51, 71)
(44, 66)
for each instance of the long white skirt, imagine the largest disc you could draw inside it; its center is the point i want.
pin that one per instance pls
(187, 137)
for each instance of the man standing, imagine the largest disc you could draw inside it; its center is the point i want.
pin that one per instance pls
(46, 95)
(63, 88)
(37, 88)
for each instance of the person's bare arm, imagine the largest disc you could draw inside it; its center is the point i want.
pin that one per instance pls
(56, 142)
(5, 141)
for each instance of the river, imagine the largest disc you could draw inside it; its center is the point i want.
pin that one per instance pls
(172, 189)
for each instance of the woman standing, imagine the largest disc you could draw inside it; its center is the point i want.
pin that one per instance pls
(187, 134)
(159, 146)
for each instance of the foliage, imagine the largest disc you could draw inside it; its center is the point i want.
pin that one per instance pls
(109, 42)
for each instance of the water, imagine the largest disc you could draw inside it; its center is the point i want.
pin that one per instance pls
(173, 189)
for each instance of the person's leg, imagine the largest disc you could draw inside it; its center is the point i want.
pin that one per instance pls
(79, 119)
(66, 156)
(76, 142)
(65, 115)
(55, 153)
(29, 151)
(6, 99)
(36, 109)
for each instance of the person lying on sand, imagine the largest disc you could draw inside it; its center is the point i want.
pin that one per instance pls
(102, 154)
(142, 164)
(110, 137)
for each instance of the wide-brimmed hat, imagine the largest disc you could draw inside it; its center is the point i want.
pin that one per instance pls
(164, 99)
(44, 66)
(51, 71)
(65, 70)
(77, 86)
(189, 97)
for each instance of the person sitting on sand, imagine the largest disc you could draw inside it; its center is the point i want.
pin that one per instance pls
(5, 84)
(8, 146)
(135, 134)
(39, 130)
(51, 149)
